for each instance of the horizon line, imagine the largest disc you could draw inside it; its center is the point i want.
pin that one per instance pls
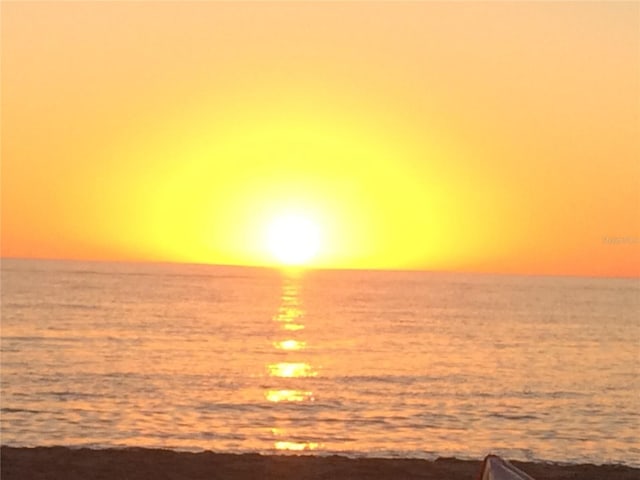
(284, 268)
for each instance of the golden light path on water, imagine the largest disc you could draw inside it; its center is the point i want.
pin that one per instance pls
(290, 344)
(297, 446)
(290, 319)
(289, 396)
(291, 369)
(293, 327)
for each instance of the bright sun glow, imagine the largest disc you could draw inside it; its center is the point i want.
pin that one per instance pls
(293, 239)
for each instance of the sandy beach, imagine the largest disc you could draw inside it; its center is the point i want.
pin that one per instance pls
(138, 463)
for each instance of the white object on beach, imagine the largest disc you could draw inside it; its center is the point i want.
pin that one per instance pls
(496, 468)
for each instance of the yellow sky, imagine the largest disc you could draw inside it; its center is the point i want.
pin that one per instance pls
(499, 136)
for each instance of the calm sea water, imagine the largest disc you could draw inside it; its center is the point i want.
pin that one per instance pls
(360, 363)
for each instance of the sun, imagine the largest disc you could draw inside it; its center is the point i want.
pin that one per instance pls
(293, 239)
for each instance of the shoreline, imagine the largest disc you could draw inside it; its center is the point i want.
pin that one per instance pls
(142, 463)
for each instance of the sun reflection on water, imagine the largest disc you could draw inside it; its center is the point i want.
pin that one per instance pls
(296, 446)
(289, 396)
(293, 326)
(290, 344)
(289, 313)
(290, 369)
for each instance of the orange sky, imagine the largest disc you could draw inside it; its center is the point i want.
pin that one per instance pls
(499, 136)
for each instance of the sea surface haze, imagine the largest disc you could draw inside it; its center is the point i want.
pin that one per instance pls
(233, 359)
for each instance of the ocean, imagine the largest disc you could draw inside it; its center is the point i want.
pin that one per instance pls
(360, 363)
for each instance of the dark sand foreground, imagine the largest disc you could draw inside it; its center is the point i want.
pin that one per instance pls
(138, 463)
